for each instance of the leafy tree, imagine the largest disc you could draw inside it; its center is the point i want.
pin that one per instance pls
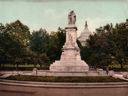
(2, 50)
(97, 50)
(107, 43)
(15, 38)
(56, 42)
(39, 45)
(120, 43)
(39, 41)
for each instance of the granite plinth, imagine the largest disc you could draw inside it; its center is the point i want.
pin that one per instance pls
(69, 66)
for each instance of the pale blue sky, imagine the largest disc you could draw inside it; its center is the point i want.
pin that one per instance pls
(52, 14)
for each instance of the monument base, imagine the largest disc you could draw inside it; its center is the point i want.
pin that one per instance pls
(69, 66)
(91, 72)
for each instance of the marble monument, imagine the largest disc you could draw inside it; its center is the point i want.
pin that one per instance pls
(70, 60)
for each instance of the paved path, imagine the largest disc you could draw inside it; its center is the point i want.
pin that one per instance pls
(23, 88)
(61, 84)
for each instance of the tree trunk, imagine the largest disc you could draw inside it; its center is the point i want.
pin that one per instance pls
(121, 66)
(40, 65)
(17, 66)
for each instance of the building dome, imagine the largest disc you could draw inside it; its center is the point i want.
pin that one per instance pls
(84, 35)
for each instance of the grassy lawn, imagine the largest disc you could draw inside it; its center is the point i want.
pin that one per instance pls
(118, 66)
(32, 65)
(64, 79)
(21, 65)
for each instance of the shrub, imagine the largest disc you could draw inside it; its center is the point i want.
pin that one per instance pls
(64, 78)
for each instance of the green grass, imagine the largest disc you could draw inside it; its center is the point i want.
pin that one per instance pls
(21, 65)
(32, 65)
(64, 79)
(117, 66)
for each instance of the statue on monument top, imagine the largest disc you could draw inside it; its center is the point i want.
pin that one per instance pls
(71, 17)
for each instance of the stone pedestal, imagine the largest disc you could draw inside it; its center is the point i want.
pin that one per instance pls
(34, 71)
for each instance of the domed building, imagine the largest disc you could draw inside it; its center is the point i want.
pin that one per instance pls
(84, 35)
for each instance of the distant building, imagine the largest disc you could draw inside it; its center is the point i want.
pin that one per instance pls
(84, 35)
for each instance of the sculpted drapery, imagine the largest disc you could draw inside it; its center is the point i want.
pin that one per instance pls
(71, 17)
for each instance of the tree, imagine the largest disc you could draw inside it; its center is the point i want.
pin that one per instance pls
(56, 42)
(107, 43)
(2, 50)
(39, 45)
(15, 38)
(120, 43)
(97, 50)
(39, 41)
